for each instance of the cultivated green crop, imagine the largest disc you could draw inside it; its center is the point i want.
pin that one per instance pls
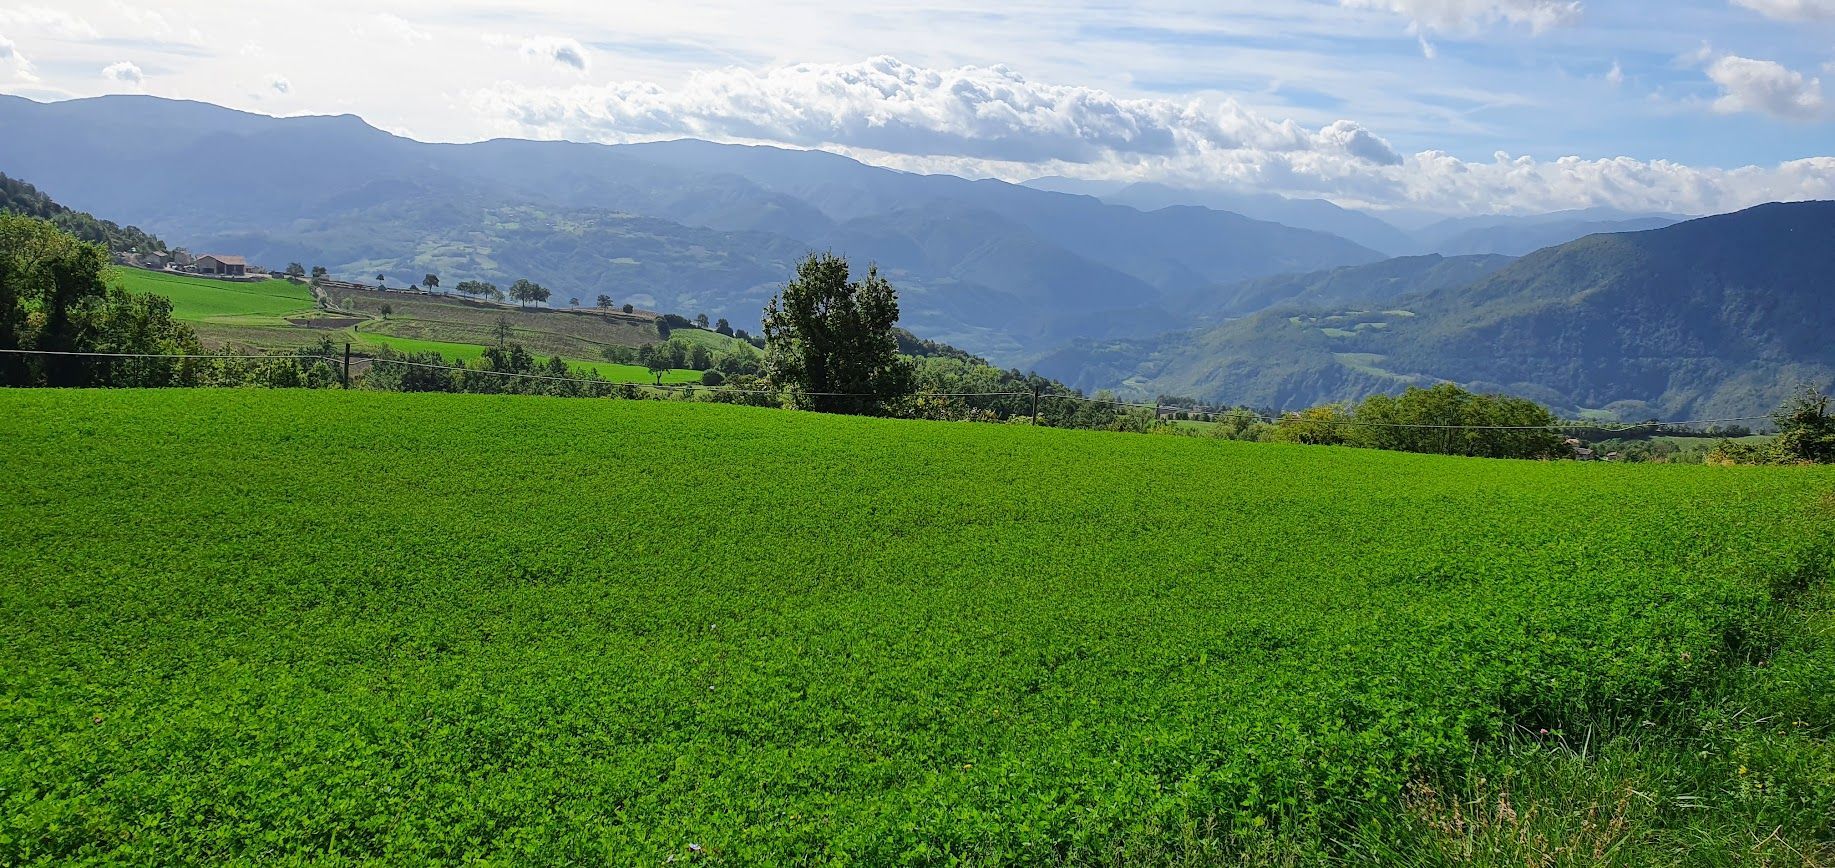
(259, 626)
(203, 299)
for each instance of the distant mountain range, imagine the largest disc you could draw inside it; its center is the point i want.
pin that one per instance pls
(1714, 317)
(1001, 269)
(1508, 235)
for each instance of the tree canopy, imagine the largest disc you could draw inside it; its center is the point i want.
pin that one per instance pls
(831, 341)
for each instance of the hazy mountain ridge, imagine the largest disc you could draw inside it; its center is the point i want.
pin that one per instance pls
(684, 225)
(1712, 317)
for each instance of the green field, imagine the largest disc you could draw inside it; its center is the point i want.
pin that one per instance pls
(469, 352)
(253, 315)
(202, 299)
(351, 626)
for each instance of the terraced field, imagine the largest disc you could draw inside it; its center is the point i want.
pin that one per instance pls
(266, 315)
(349, 626)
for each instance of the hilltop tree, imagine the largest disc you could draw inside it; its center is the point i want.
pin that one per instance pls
(573, 302)
(431, 282)
(629, 307)
(723, 327)
(319, 273)
(825, 333)
(296, 270)
(380, 280)
(605, 302)
(525, 291)
(700, 320)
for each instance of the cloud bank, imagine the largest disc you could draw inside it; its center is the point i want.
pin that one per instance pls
(1464, 17)
(992, 121)
(1791, 10)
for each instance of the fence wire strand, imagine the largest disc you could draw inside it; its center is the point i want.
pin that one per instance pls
(1158, 408)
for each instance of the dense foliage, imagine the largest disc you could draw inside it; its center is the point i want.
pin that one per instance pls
(831, 340)
(19, 197)
(54, 299)
(260, 626)
(1443, 420)
(1806, 435)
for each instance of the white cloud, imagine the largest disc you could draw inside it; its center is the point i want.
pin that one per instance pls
(394, 27)
(1765, 87)
(279, 84)
(1616, 75)
(1465, 17)
(51, 22)
(125, 72)
(883, 104)
(992, 122)
(1791, 10)
(556, 49)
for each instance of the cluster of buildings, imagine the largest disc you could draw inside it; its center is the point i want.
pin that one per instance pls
(213, 265)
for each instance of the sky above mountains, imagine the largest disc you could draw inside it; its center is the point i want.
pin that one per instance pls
(1688, 106)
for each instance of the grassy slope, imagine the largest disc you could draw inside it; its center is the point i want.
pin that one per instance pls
(253, 315)
(203, 300)
(639, 625)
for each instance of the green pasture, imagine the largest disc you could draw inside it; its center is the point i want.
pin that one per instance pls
(355, 627)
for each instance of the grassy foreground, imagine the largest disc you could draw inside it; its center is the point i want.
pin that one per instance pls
(258, 626)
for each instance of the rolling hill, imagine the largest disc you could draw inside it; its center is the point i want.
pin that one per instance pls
(1720, 316)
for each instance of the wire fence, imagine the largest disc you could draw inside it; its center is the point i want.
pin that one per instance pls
(1036, 396)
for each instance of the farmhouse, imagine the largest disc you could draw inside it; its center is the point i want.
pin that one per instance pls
(224, 266)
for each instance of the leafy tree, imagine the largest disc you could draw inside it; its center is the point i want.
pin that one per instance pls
(319, 273)
(501, 331)
(1317, 426)
(1450, 420)
(712, 378)
(525, 291)
(826, 333)
(659, 364)
(723, 327)
(630, 308)
(1806, 431)
(296, 270)
(431, 282)
(700, 320)
(53, 297)
(386, 310)
(699, 358)
(573, 302)
(605, 302)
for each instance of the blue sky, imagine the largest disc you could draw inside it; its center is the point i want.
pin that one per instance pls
(1685, 105)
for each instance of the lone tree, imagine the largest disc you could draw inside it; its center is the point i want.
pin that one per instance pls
(296, 270)
(723, 327)
(380, 280)
(605, 302)
(501, 331)
(573, 302)
(700, 320)
(833, 342)
(386, 310)
(431, 282)
(319, 272)
(629, 307)
(659, 364)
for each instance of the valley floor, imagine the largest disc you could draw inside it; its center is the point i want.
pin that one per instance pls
(344, 626)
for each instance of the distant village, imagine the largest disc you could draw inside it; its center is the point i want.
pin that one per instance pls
(209, 265)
